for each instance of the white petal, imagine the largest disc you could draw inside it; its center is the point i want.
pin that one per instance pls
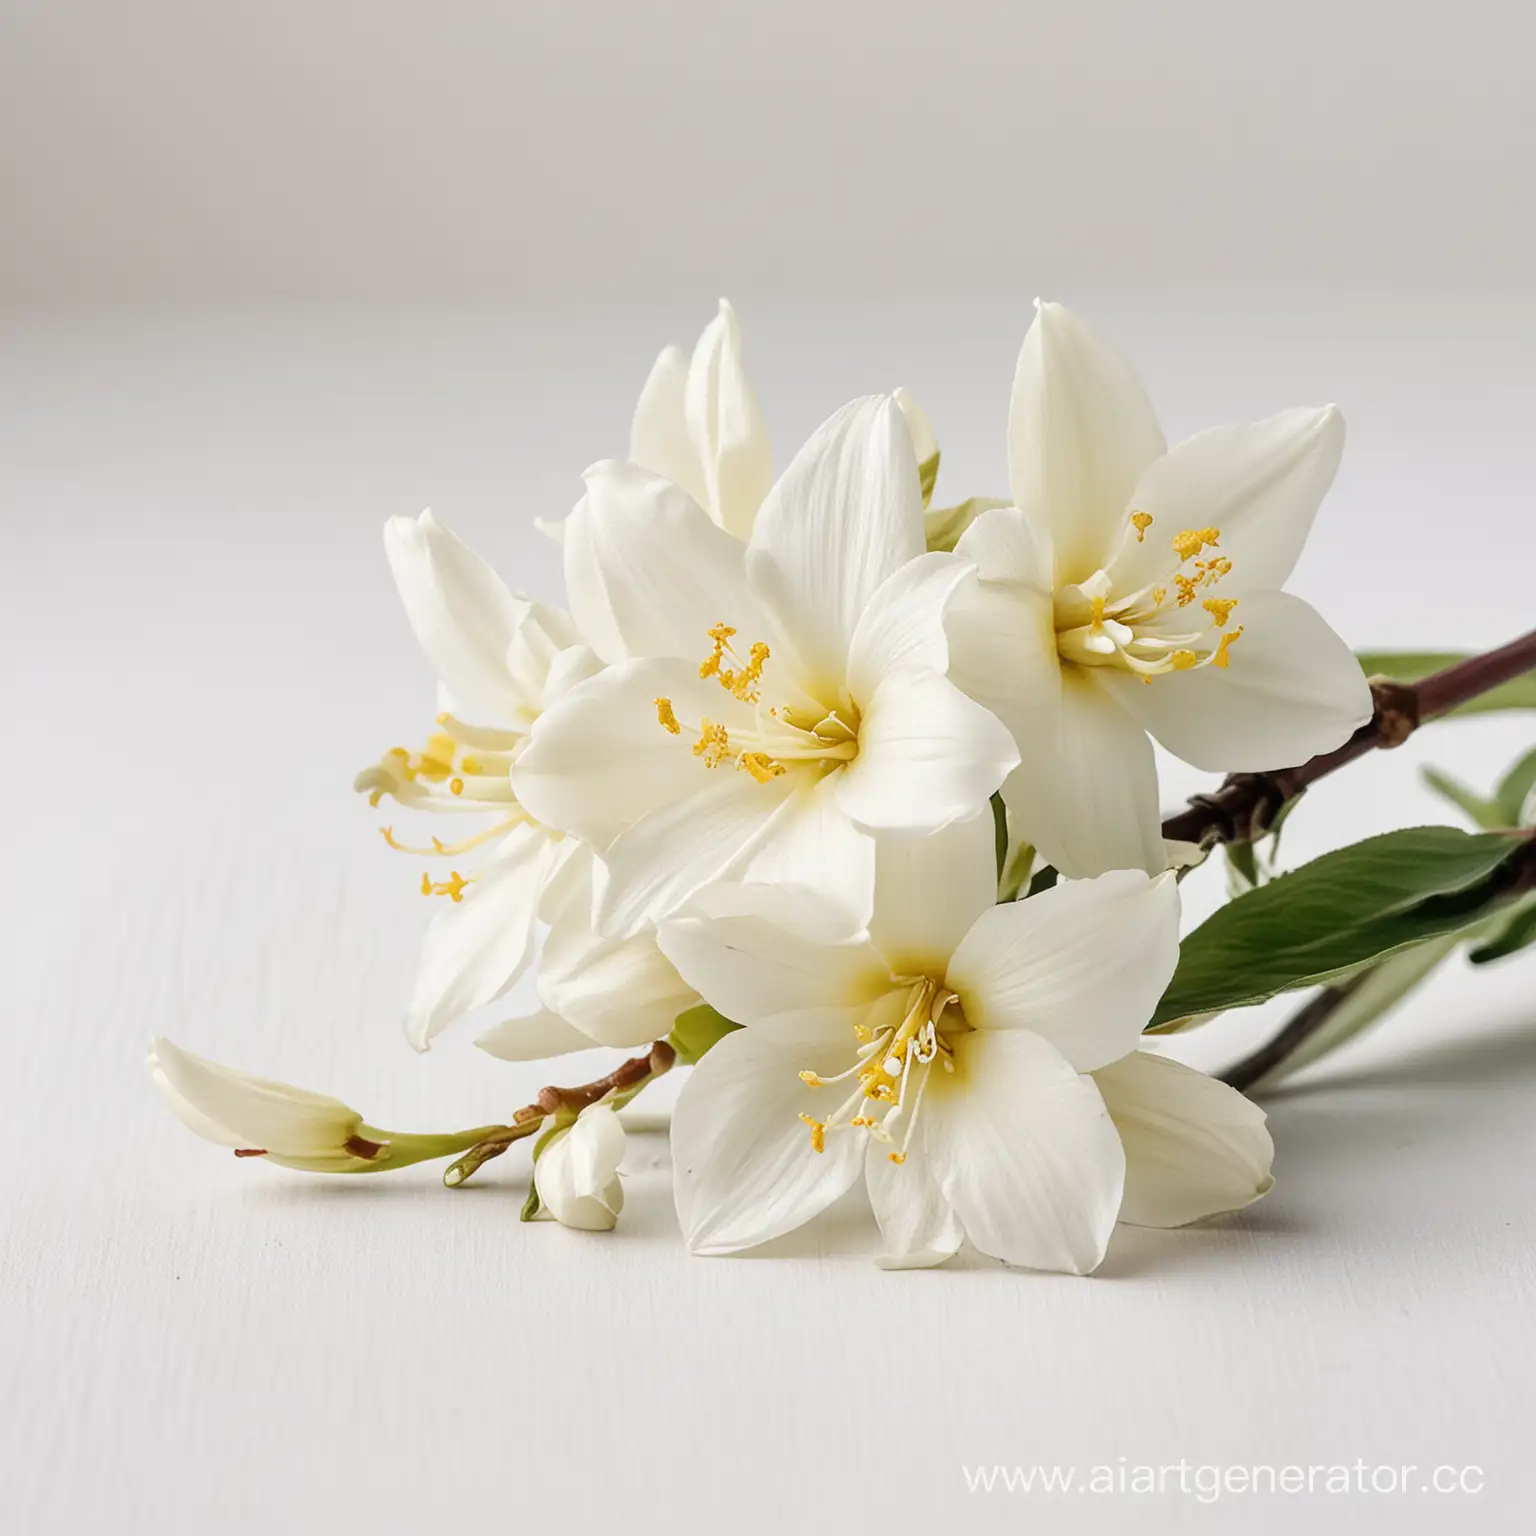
(918, 1224)
(475, 948)
(928, 755)
(646, 571)
(576, 1175)
(619, 992)
(904, 622)
(1291, 689)
(1081, 965)
(812, 842)
(846, 514)
(658, 434)
(925, 441)
(1001, 623)
(544, 654)
(533, 1037)
(1193, 1146)
(1085, 792)
(1024, 1151)
(463, 615)
(656, 865)
(1080, 433)
(929, 891)
(1260, 485)
(727, 427)
(599, 759)
(754, 952)
(235, 1109)
(744, 1170)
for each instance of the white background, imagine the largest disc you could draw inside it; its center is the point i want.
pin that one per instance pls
(202, 646)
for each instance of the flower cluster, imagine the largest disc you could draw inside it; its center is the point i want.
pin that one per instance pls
(788, 756)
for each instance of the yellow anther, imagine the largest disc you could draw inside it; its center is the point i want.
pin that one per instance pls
(713, 744)
(810, 1079)
(1182, 661)
(745, 684)
(818, 1133)
(760, 766)
(443, 718)
(456, 786)
(470, 765)
(1211, 571)
(1141, 521)
(722, 634)
(863, 1033)
(1098, 613)
(897, 1157)
(861, 1121)
(667, 717)
(1220, 609)
(1158, 594)
(1188, 586)
(1192, 540)
(452, 887)
(1228, 640)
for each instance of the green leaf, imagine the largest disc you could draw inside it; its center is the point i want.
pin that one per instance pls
(1515, 789)
(1000, 834)
(1370, 997)
(696, 1031)
(1483, 812)
(1411, 666)
(1518, 933)
(1245, 863)
(1336, 914)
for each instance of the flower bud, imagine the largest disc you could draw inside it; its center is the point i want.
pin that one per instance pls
(260, 1118)
(576, 1174)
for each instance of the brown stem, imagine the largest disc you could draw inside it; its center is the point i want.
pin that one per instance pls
(1245, 806)
(1298, 1029)
(626, 1078)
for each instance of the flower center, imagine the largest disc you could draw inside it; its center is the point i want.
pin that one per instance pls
(462, 768)
(792, 732)
(908, 1032)
(1152, 630)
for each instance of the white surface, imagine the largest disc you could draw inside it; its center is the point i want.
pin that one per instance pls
(202, 645)
(480, 149)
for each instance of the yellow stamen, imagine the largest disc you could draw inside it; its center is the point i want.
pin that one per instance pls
(713, 744)
(1141, 521)
(760, 766)
(810, 1079)
(745, 684)
(897, 1157)
(1098, 613)
(1228, 640)
(1192, 540)
(667, 717)
(1182, 661)
(456, 786)
(1211, 571)
(452, 887)
(1188, 586)
(1158, 594)
(1220, 609)
(818, 1133)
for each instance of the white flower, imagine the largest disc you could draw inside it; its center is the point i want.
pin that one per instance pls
(699, 424)
(260, 1118)
(1135, 589)
(501, 661)
(979, 1064)
(577, 1173)
(594, 990)
(788, 695)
